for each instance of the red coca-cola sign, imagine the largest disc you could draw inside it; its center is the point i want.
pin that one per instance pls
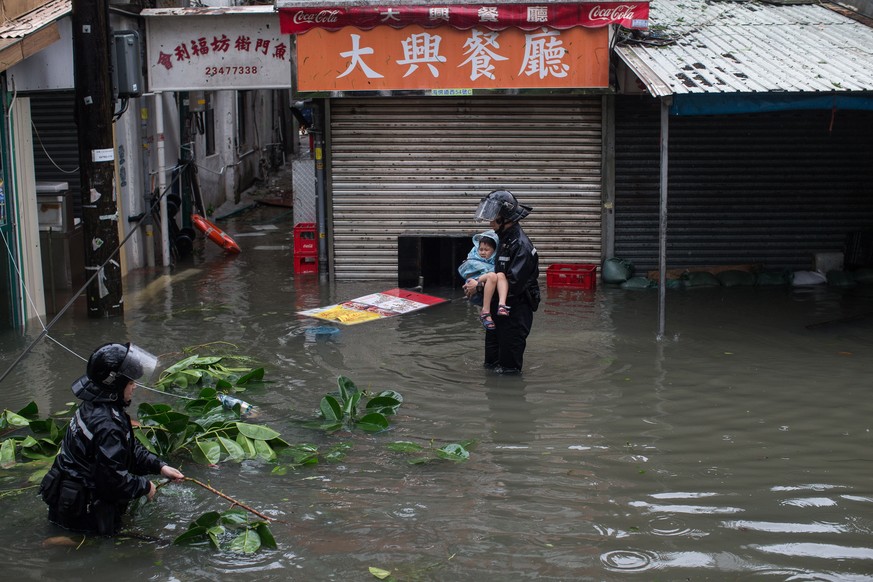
(611, 13)
(492, 16)
(320, 17)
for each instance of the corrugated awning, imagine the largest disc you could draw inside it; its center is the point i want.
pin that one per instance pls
(297, 17)
(762, 50)
(30, 33)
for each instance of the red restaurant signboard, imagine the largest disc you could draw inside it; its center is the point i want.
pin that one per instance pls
(464, 17)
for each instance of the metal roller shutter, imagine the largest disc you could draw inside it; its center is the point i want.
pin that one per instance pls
(404, 166)
(770, 188)
(55, 141)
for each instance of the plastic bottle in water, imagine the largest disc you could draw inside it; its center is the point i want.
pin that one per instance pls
(229, 402)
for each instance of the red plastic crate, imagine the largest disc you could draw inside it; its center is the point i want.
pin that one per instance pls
(305, 264)
(304, 239)
(572, 276)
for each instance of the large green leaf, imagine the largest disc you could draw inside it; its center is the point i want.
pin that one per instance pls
(255, 375)
(373, 422)
(346, 387)
(214, 533)
(247, 445)
(210, 450)
(351, 405)
(7, 453)
(235, 517)
(254, 431)
(208, 519)
(267, 539)
(453, 452)
(265, 451)
(12, 419)
(383, 404)
(172, 421)
(194, 535)
(234, 451)
(248, 542)
(330, 408)
(30, 411)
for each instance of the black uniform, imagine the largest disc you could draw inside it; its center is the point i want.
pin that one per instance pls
(517, 258)
(100, 467)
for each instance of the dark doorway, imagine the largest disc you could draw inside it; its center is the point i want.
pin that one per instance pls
(434, 258)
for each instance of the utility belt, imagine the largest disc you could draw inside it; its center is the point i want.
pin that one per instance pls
(67, 496)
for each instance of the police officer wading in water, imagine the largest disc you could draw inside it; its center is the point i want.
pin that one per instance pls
(517, 259)
(101, 466)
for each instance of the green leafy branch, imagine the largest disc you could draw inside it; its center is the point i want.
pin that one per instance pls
(206, 431)
(229, 530)
(340, 411)
(456, 452)
(30, 453)
(208, 371)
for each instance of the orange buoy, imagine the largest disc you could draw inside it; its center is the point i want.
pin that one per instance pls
(215, 234)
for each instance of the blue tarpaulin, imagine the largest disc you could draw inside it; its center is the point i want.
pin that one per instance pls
(727, 103)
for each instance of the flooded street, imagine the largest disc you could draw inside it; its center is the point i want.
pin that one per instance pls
(739, 448)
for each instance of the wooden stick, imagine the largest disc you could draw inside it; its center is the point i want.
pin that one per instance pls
(231, 499)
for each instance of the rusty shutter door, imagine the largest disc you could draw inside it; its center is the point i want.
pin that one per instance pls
(409, 166)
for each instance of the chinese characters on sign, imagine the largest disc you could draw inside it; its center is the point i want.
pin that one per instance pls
(498, 16)
(236, 53)
(448, 59)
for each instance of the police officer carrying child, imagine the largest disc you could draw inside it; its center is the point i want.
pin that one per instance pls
(100, 467)
(517, 259)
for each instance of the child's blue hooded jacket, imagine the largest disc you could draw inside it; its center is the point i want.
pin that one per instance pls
(475, 266)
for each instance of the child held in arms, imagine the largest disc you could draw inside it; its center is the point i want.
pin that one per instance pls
(479, 267)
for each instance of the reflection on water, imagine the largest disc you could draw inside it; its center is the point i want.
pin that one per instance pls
(738, 448)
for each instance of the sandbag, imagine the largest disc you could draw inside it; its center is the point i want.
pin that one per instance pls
(736, 278)
(638, 283)
(674, 284)
(808, 278)
(700, 279)
(841, 279)
(616, 270)
(771, 278)
(864, 276)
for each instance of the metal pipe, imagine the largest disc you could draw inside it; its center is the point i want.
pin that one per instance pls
(162, 177)
(662, 222)
(320, 176)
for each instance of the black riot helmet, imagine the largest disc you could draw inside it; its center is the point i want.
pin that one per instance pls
(112, 366)
(501, 205)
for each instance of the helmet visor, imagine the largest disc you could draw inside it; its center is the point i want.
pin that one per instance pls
(138, 364)
(488, 210)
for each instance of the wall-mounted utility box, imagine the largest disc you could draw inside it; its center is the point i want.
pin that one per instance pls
(127, 78)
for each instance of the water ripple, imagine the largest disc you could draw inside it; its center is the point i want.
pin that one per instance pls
(628, 560)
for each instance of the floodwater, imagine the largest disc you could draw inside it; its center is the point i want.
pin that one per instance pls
(736, 449)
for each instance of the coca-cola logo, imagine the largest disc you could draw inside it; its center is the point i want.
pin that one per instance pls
(320, 17)
(613, 14)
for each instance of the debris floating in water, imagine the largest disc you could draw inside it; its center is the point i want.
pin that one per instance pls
(322, 330)
(229, 402)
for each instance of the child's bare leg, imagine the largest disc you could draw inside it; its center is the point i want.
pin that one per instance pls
(502, 292)
(489, 284)
(502, 288)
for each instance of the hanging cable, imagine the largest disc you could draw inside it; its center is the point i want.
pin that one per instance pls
(75, 296)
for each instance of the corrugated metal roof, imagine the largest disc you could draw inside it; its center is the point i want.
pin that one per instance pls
(18, 28)
(749, 47)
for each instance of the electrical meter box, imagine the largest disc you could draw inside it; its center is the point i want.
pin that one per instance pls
(127, 78)
(54, 206)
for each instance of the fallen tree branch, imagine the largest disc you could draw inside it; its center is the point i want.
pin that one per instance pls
(220, 494)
